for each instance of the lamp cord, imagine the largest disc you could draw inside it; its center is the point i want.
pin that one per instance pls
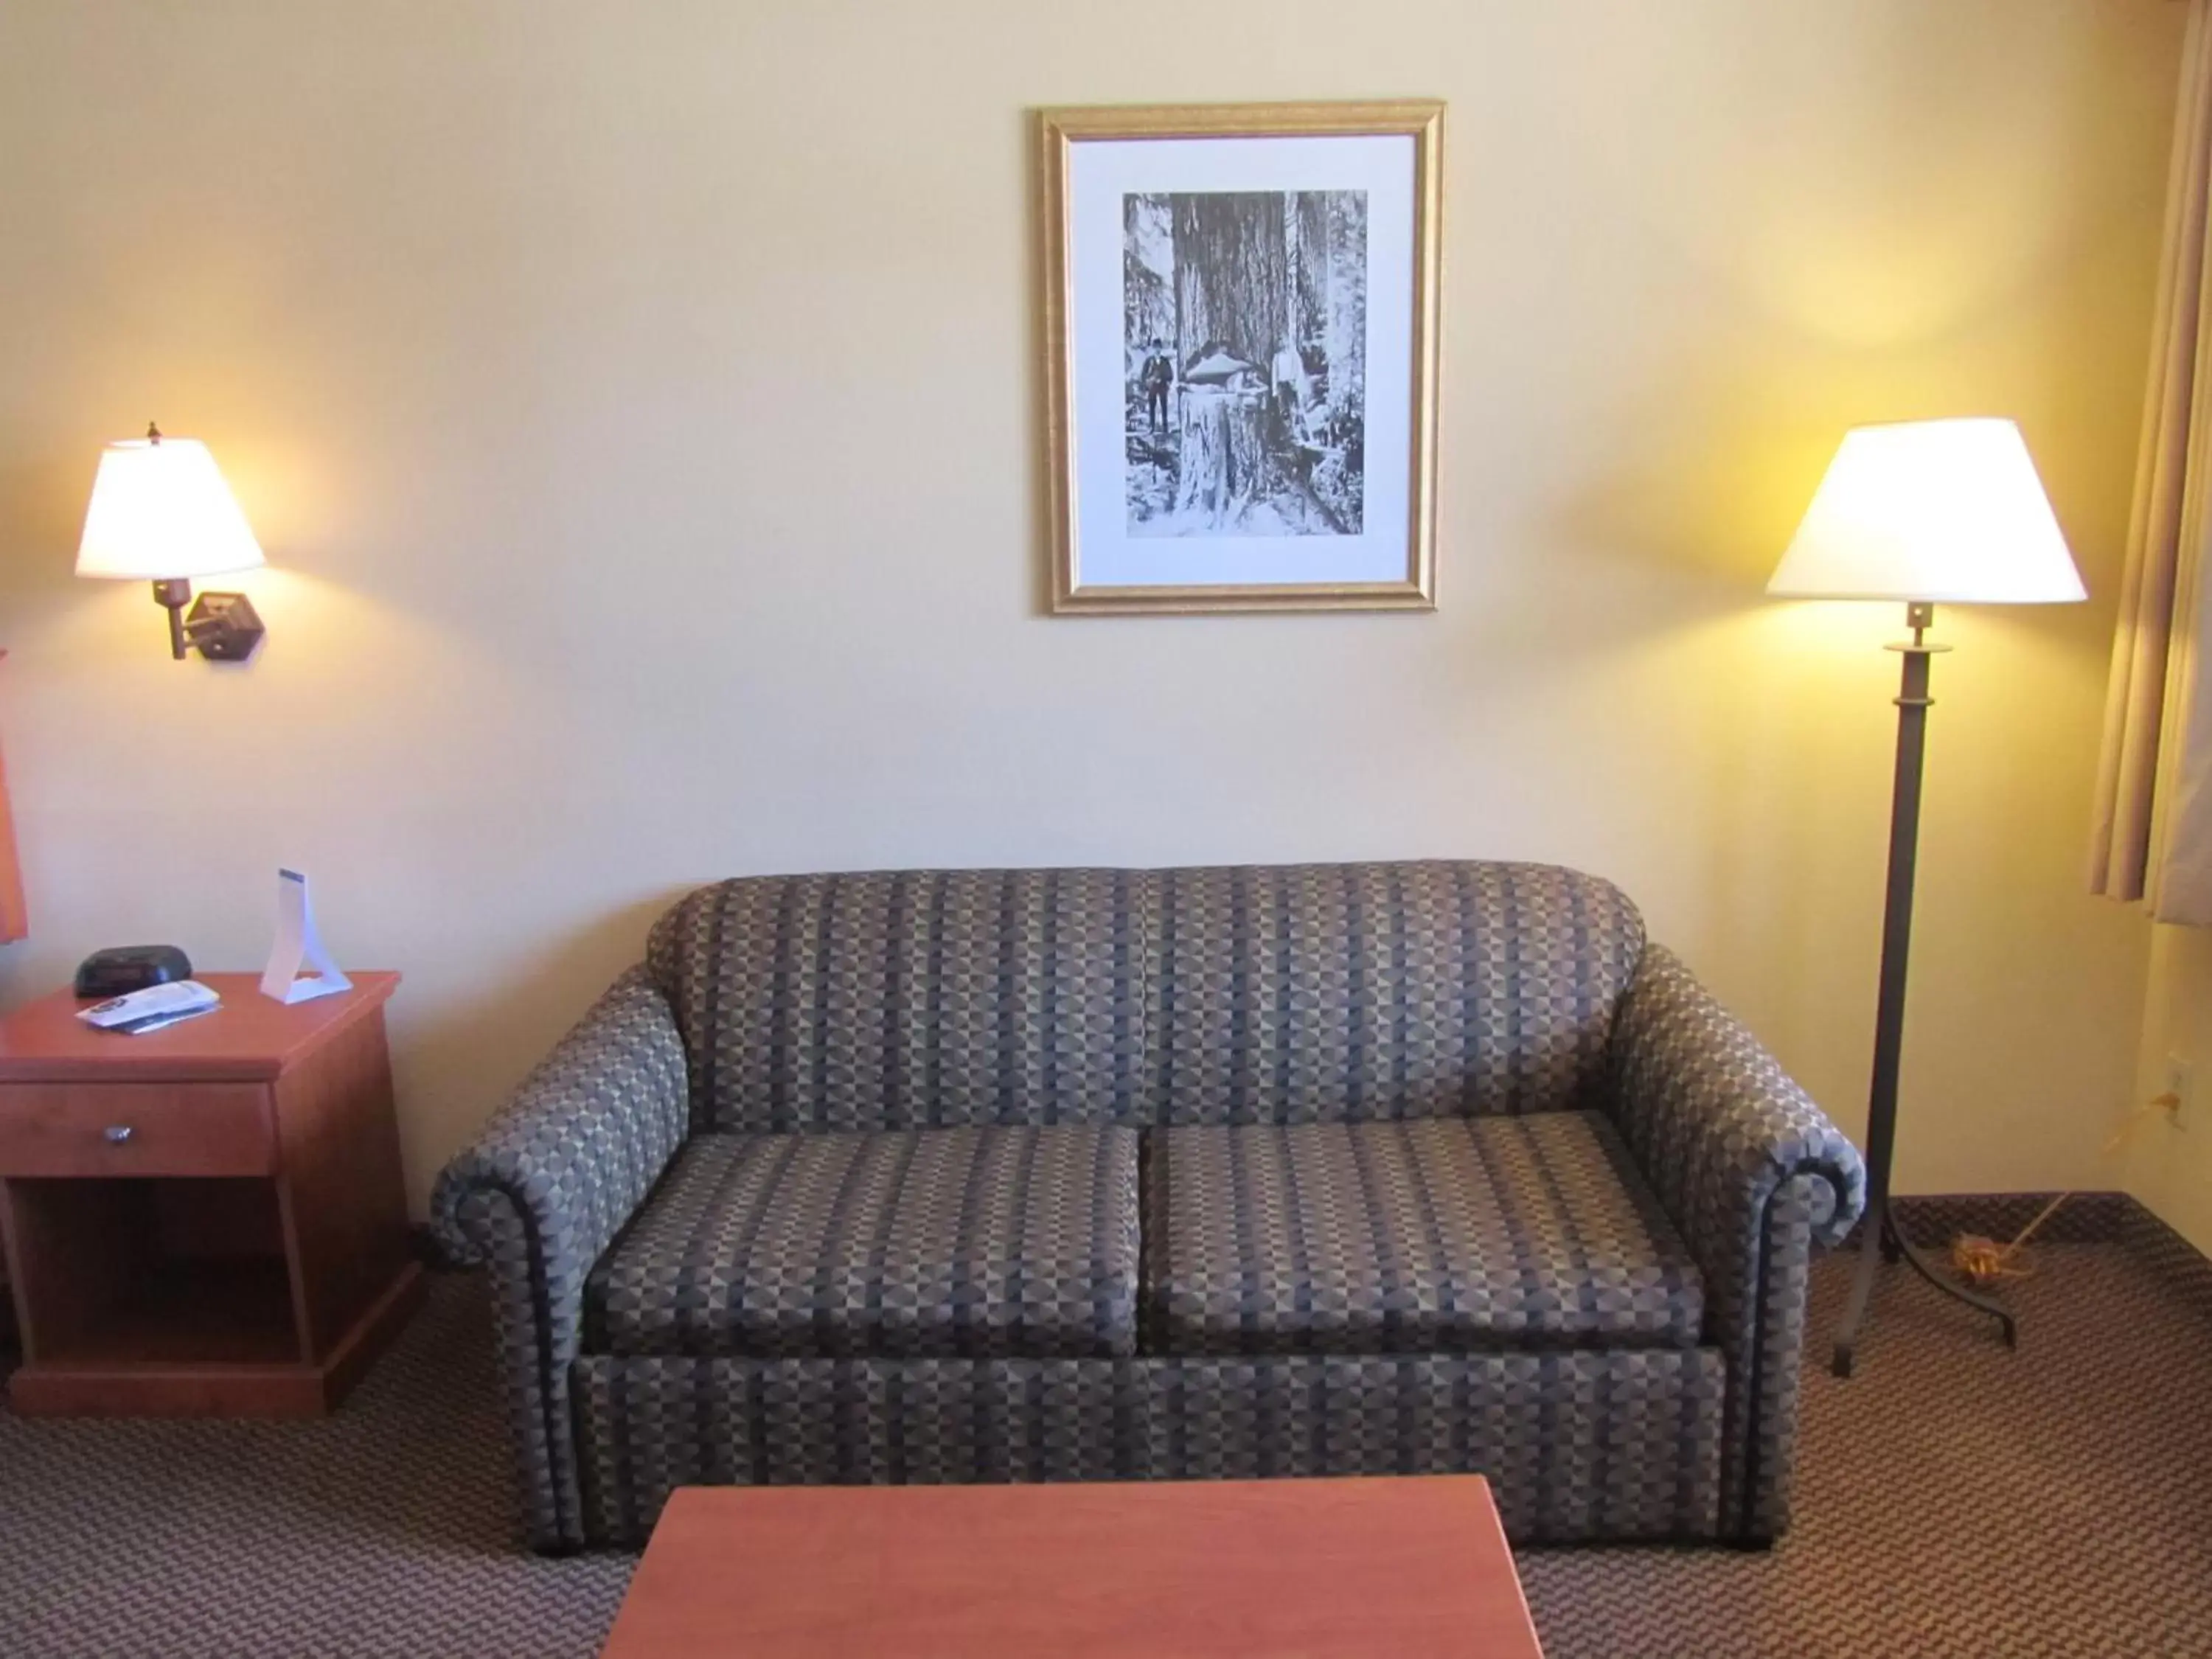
(1981, 1260)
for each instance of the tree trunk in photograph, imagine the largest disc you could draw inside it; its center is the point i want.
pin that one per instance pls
(1232, 281)
(1219, 463)
(1344, 326)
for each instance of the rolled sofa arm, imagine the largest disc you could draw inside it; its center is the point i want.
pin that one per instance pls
(553, 1177)
(1753, 1173)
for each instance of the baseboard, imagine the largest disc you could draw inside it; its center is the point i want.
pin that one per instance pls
(2178, 1264)
(1933, 1220)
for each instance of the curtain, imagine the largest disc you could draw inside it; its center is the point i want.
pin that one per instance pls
(14, 924)
(2152, 833)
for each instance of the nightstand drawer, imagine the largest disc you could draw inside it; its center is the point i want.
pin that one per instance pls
(136, 1129)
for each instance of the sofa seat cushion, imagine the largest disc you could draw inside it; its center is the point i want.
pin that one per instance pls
(1410, 1237)
(996, 1241)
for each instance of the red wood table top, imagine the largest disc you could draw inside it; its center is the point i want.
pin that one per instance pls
(250, 1037)
(1409, 1568)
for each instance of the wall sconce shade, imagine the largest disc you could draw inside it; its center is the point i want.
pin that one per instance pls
(1929, 511)
(160, 512)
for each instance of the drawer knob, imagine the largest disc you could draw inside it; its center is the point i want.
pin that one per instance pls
(116, 1133)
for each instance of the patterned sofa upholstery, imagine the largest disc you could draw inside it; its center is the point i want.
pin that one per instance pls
(1035, 1175)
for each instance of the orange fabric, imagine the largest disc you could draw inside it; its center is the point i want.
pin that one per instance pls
(14, 923)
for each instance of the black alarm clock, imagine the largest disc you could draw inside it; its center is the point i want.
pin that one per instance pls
(122, 969)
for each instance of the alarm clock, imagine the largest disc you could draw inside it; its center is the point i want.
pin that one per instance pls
(122, 969)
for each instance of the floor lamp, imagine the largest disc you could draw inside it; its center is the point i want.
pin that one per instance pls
(1927, 512)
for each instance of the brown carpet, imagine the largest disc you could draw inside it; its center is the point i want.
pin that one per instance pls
(1953, 1499)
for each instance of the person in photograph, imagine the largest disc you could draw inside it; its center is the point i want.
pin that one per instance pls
(1156, 379)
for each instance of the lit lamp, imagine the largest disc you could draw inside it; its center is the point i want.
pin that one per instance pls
(162, 512)
(1923, 511)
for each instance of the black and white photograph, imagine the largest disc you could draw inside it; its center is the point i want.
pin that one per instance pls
(1245, 324)
(1240, 333)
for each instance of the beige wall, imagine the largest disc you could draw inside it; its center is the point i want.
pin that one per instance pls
(2171, 1167)
(638, 402)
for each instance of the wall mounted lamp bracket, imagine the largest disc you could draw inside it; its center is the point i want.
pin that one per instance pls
(221, 627)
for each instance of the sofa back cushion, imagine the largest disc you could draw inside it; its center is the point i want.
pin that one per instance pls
(910, 1000)
(1318, 993)
(1241, 994)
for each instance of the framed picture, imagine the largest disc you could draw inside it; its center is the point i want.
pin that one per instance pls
(1239, 323)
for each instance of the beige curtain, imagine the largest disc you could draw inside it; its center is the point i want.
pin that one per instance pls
(2153, 837)
(14, 924)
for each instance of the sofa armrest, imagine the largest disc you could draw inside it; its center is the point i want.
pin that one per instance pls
(1714, 1123)
(1753, 1173)
(550, 1180)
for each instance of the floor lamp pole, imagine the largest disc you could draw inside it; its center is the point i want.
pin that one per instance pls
(1881, 1238)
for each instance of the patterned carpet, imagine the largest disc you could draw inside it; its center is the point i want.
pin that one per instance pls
(1952, 1500)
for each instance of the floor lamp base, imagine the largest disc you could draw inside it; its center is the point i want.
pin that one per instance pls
(1883, 1240)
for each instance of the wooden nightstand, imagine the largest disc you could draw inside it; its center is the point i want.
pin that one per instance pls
(208, 1220)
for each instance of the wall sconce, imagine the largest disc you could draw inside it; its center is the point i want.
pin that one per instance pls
(162, 512)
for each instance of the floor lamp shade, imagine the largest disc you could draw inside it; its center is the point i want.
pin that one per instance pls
(1930, 512)
(160, 511)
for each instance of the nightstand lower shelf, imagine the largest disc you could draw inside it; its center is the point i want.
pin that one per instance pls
(215, 1312)
(142, 1379)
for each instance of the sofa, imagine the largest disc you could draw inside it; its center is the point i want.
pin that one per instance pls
(1086, 1174)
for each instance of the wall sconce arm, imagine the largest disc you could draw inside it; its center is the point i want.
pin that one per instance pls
(221, 627)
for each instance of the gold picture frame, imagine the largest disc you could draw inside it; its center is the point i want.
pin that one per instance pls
(1179, 497)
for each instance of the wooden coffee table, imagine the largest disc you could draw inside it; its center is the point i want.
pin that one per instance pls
(1414, 1569)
